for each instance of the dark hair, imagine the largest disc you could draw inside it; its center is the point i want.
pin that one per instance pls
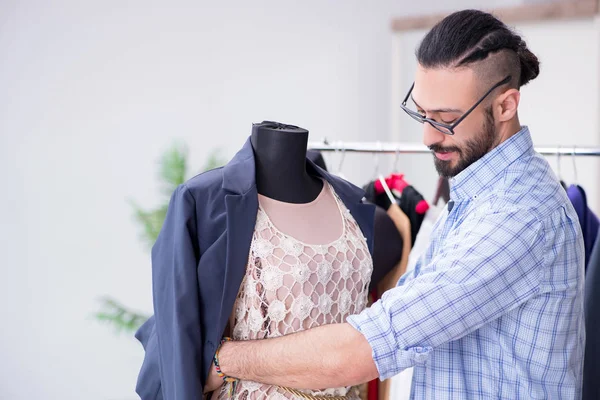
(468, 36)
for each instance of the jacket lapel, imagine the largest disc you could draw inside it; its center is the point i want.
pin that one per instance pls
(241, 204)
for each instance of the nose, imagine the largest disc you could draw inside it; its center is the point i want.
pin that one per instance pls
(431, 135)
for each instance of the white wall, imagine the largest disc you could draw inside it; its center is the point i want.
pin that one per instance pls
(561, 107)
(91, 93)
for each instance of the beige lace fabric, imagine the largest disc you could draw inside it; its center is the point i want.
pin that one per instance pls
(291, 286)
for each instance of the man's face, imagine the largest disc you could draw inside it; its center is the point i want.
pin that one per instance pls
(445, 95)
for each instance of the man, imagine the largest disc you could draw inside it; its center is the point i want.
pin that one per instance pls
(494, 308)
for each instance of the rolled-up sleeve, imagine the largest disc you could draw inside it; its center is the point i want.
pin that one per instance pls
(489, 266)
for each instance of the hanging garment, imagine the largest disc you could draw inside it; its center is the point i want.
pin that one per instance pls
(198, 263)
(591, 367)
(387, 246)
(442, 191)
(412, 203)
(587, 219)
(379, 390)
(372, 390)
(291, 285)
(424, 236)
(400, 385)
(402, 223)
(410, 200)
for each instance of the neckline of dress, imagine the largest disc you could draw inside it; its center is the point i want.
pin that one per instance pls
(340, 210)
(320, 196)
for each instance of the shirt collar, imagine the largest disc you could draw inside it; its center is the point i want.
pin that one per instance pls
(488, 169)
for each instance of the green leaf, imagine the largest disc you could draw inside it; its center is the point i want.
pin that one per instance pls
(151, 221)
(173, 168)
(121, 318)
(172, 173)
(214, 161)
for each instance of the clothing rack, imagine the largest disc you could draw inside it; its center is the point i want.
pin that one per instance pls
(414, 148)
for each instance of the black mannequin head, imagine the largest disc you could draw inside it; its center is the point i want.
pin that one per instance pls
(280, 154)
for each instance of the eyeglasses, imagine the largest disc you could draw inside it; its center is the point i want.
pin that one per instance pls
(447, 129)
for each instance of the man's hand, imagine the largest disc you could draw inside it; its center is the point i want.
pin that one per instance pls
(213, 382)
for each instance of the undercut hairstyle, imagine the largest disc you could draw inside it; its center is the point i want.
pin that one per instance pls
(478, 40)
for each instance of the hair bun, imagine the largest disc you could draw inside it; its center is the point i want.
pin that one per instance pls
(530, 65)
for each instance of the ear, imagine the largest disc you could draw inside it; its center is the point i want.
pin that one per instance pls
(507, 105)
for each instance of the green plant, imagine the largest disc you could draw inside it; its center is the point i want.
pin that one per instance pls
(172, 173)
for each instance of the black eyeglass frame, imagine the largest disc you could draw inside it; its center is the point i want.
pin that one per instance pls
(449, 127)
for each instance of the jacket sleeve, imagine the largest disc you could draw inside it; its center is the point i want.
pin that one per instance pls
(148, 383)
(173, 342)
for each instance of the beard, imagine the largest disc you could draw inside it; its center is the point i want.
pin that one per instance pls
(472, 151)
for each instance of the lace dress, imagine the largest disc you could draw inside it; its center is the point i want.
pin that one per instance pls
(291, 286)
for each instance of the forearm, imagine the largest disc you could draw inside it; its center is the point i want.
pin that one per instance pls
(329, 356)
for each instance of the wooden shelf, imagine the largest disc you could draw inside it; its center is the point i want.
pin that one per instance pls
(559, 10)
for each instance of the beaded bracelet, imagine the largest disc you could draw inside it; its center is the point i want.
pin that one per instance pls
(220, 373)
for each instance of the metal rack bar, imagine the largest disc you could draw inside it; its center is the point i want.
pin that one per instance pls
(414, 148)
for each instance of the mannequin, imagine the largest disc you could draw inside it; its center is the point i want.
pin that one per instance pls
(280, 159)
(201, 257)
(308, 262)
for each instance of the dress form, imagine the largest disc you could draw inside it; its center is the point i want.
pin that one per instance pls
(280, 153)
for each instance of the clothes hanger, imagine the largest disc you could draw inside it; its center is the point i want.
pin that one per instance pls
(396, 191)
(403, 226)
(396, 159)
(558, 163)
(343, 155)
(576, 180)
(575, 177)
(335, 153)
(339, 149)
(558, 171)
(395, 181)
(378, 175)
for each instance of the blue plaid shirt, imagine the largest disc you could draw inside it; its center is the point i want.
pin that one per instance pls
(494, 308)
